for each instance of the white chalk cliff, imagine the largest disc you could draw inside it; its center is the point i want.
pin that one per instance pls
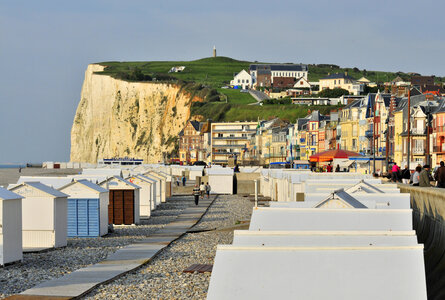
(116, 118)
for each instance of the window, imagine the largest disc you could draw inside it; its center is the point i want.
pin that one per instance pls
(242, 81)
(247, 80)
(335, 81)
(220, 135)
(238, 81)
(232, 135)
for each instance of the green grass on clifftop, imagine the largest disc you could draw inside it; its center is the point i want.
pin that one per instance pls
(226, 112)
(216, 72)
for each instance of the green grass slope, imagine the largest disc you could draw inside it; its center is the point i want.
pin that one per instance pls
(215, 72)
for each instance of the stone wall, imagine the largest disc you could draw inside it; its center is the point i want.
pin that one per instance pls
(428, 206)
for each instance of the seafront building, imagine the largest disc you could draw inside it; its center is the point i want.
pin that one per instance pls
(229, 141)
(373, 125)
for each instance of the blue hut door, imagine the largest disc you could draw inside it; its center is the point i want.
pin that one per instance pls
(83, 217)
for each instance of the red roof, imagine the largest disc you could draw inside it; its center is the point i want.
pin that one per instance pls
(331, 154)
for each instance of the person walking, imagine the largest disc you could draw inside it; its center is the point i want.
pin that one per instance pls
(196, 194)
(395, 172)
(337, 169)
(208, 190)
(202, 189)
(440, 175)
(424, 179)
(406, 175)
(416, 176)
(183, 180)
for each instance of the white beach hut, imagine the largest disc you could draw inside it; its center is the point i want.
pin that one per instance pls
(154, 185)
(55, 182)
(221, 180)
(103, 172)
(169, 181)
(160, 186)
(44, 215)
(145, 194)
(324, 238)
(123, 205)
(347, 273)
(314, 219)
(10, 227)
(87, 209)
(195, 171)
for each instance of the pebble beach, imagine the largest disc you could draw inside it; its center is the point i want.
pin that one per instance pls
(162, 277)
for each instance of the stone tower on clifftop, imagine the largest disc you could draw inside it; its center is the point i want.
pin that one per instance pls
(214, 51)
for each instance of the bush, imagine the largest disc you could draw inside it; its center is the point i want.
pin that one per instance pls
(134, 74)
(334, 93)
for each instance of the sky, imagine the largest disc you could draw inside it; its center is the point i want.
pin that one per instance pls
(45, 48)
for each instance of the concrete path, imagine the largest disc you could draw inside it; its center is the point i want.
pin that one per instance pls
(258, 95)
(120, 262)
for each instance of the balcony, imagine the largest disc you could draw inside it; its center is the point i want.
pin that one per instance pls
(439, 148)
(231, 138)
(369, 133)
(229, 146)
(274, 155)
(225, 153)
(418, 151)
(418, 131)
(235, 130)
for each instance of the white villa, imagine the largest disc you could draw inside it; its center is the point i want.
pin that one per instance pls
(302, 83)
(242, 79)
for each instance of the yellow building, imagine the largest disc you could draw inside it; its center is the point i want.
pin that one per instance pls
(398, 129)
(349, 123)
(343, 81)
(308, 135)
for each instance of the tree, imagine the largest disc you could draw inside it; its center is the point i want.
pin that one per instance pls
(334, 93)
(369, 89)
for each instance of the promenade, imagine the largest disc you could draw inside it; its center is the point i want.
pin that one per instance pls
(134, 262)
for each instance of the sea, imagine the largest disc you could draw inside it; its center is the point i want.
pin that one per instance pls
(12, 166)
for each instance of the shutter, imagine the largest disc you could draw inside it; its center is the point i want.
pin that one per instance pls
(118, 207)
(93, 217)
(128, 207)
(72, 218)
(82, 217)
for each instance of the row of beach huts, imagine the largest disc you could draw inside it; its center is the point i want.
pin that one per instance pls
(323, 236)
(42, 212)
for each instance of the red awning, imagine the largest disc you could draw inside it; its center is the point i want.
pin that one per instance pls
(329, 155)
